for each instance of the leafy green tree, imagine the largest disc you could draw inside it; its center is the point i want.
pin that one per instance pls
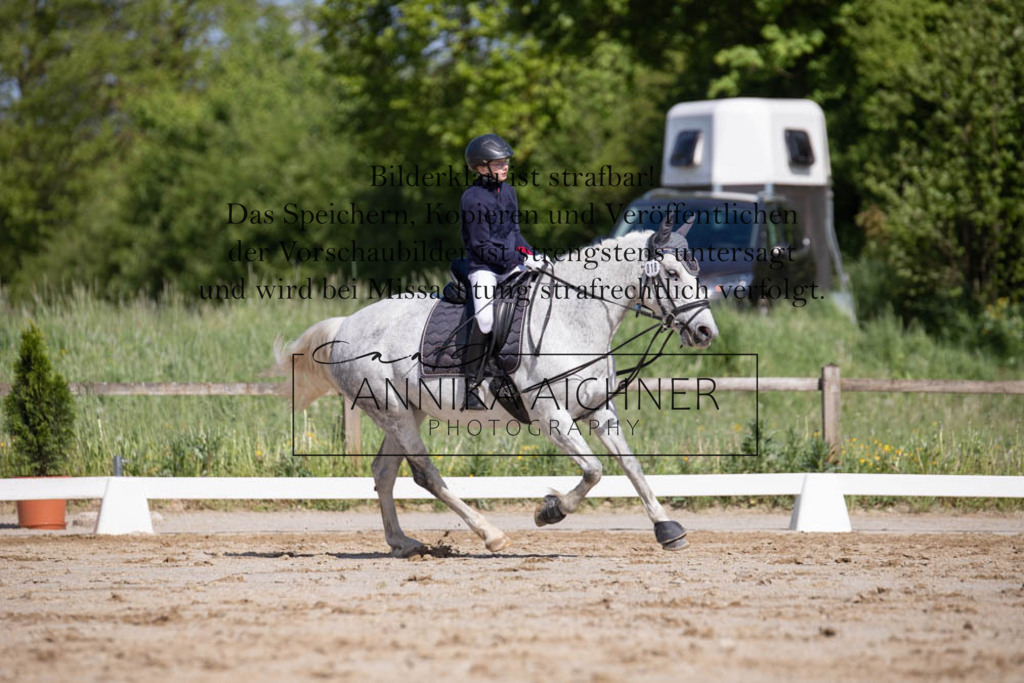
(39, 412)
(943, 157)
(417, 80)
(249, 122)
(924, 112)
(126, 128)
(696, 51)
(67, 70)
(256, 134)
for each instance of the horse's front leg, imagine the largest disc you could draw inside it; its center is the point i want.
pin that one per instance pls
(560, 428)
(671, 535)
(556, 506)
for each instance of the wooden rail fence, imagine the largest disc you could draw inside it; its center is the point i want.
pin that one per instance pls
(830, 384)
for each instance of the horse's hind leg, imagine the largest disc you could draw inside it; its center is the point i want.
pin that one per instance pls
(385, 470)
(426, 475)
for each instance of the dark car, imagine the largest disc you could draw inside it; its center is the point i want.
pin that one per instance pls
(749, 247)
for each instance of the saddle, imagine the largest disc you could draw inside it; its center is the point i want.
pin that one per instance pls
(443, 345)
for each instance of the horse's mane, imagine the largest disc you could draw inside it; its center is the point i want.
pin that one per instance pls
(638, 236)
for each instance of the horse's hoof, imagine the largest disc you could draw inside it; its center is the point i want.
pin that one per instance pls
(405, 552)
(549, 511)
(677, 544)
(671, 535)
(498, 543)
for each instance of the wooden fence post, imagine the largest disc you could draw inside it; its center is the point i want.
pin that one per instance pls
(353, 429)
(830, 408)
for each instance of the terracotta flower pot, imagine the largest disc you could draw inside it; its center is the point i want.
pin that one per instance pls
(42, 514)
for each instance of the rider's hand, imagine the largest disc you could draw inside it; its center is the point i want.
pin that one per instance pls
(537, 261)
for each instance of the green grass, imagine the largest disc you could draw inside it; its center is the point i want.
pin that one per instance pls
(91, 341)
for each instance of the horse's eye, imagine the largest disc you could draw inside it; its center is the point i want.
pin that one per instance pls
(672, 273)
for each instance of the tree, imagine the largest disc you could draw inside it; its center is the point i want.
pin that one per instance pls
(236, 111)
(417, 80)
(67, 70)
(39, 412)
(943, 156)
(253, 129)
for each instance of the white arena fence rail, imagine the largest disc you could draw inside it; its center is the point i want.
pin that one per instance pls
(820, 504)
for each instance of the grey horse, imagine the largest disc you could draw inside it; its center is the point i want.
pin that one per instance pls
(374, 351)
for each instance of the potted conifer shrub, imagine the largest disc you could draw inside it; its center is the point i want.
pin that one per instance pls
(39, 413)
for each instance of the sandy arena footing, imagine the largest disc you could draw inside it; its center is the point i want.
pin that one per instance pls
(267, 596)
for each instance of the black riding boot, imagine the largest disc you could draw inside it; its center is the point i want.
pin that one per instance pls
(478, 350)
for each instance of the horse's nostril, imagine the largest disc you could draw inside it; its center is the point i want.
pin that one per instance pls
(704, 332)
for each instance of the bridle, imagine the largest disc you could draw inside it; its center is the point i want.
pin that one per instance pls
(671, 317)
(653, 277)
(668, 317)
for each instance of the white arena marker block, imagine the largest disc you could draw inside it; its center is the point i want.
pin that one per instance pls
(125, 509)
(820, 505)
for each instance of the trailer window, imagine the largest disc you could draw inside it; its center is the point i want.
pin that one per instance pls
(685, 152)
(798, 143)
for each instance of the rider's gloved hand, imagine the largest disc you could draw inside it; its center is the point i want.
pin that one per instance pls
(537, 261)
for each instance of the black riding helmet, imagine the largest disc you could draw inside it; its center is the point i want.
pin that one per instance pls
(485, 149)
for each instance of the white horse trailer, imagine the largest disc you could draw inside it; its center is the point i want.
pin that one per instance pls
(772, 149)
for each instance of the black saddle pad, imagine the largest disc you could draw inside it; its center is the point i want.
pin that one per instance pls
(447, 331)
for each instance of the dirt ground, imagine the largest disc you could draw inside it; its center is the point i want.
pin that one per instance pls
(267, 596)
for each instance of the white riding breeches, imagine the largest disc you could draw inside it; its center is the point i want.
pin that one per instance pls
(483, 283)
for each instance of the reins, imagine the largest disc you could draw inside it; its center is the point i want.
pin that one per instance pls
(664, 324)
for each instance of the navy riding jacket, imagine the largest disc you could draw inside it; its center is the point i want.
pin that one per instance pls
(490, 227)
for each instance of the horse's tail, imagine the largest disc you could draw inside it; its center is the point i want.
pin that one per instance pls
(312, 379)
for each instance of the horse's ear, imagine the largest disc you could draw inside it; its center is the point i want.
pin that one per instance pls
(664, 232)
(685, 228)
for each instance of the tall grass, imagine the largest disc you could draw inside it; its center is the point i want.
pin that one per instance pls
(179, 340)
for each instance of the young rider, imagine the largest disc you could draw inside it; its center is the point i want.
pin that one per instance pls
(495, 248)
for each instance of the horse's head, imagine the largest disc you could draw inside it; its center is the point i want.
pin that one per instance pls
(672, 292)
